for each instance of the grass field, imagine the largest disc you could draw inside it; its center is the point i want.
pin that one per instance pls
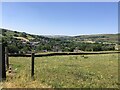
(90, 71)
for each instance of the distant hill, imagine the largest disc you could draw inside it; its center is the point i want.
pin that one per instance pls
(111, 38)
(24, 42)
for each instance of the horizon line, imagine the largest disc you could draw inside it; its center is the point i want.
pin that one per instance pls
(58, 34)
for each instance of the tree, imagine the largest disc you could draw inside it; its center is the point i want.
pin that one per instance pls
(16, 35)
(13, 49)
(23, 35)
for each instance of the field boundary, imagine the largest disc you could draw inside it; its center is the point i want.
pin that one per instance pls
(6, 56)
(64, 53)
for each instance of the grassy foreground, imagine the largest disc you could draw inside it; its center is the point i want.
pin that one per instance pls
(90, 71)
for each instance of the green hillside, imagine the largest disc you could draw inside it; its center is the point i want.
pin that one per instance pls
(22, 42)
(111, 38)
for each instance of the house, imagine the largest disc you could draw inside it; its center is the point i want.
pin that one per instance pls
(117, 47)
(44, 50)
(77, 50)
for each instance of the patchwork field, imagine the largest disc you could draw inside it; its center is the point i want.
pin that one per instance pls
(89, 71)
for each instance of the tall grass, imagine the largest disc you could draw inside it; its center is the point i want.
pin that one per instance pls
(95, 71)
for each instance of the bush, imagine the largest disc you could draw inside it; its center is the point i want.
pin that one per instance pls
(13, 49)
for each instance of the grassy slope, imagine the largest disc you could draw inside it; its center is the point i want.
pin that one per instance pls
(11, 33)
(112, 38)
(94, 71)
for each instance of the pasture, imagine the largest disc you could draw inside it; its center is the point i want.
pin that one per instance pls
(88, 71)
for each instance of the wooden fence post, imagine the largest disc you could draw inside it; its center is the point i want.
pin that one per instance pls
(32, 65)
(6, 57)
(3, 63)
(0, 62)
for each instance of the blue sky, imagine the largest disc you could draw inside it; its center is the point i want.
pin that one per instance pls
(61, 18)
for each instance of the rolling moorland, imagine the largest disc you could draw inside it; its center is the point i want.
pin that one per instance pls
(21, 42)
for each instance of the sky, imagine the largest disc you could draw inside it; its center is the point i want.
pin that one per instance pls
(61, 18)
